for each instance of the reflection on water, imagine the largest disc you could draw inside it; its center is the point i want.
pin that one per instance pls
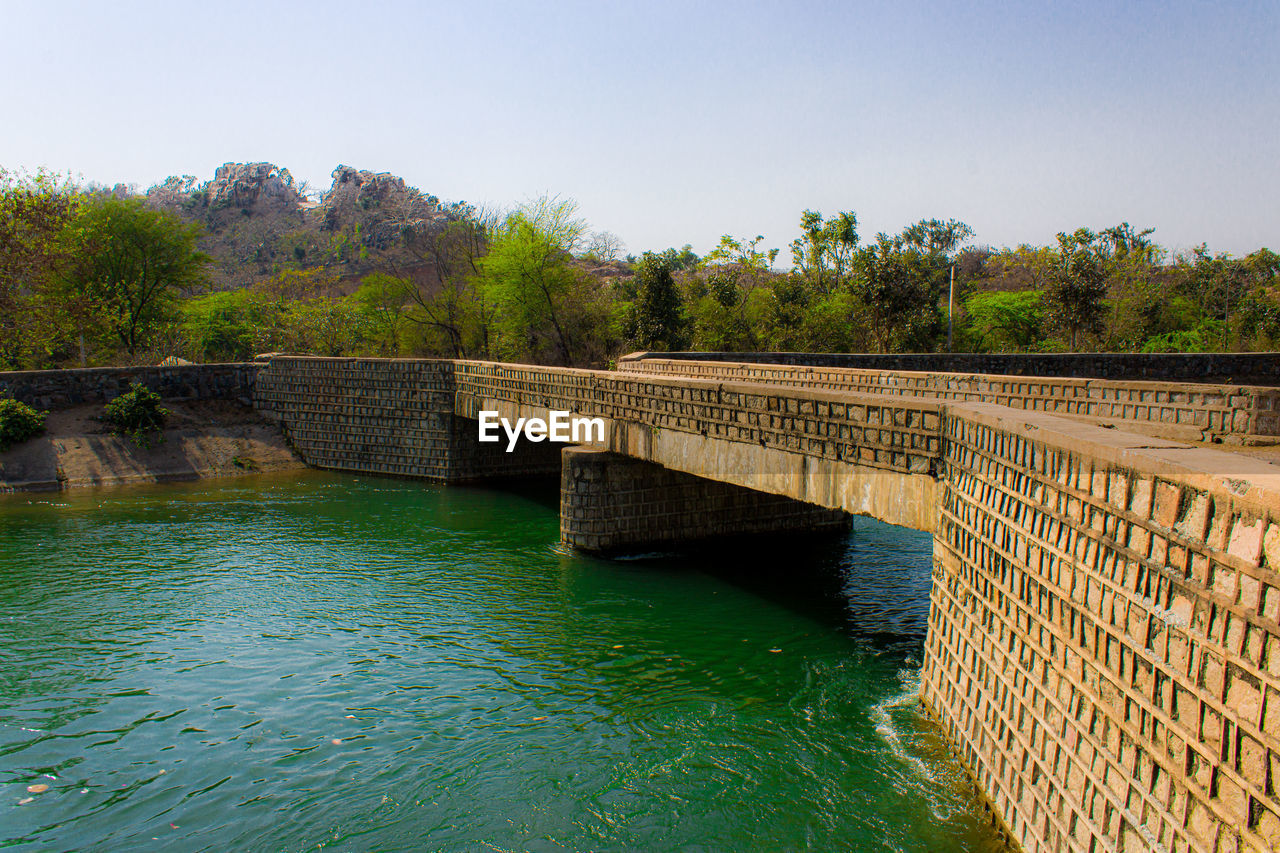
(287, 663)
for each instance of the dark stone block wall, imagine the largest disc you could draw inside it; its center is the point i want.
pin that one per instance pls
(375, 416)
(59, 389)
(611, 503)
(392, 417)
(1246, 368)
(473, 460)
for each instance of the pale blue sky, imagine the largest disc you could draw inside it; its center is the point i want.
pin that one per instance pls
(677, 122)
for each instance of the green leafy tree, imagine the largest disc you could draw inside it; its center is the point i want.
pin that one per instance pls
(1004, 321)
(734, 268)
(442, 291)
(1078, 285)
(131, 260)
(380, 301)
(723, 313)
(899, 287)
(681, 259)
(529, 274)
(34, 210)
(1239, 293)
(220, 326)
(823, 253)
(935, 237)
(1137, 292)
(659, 310)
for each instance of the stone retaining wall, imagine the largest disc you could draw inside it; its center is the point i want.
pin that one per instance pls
(393, 417)
(611, 503)
(60, 389)
(1188, 411)
(377, 416)
(1104, 638)
(1244, 368)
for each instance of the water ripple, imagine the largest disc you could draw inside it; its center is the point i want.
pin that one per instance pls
(329, 661)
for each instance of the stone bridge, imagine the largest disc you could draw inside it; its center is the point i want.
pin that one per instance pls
(1103, 649)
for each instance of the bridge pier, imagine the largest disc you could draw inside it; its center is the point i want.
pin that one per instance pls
(471, 460)
(610, 503)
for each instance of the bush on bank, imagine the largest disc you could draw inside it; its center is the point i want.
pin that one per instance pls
(136, 414)
(18, 422)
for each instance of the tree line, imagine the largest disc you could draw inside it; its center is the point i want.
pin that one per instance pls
(89, 277)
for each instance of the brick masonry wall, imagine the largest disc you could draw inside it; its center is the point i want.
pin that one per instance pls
(471, 459)
(897, 435)
(375, 416)
(1198, 410)
(615, 503)
(1104, 644)
(392, 417)
(1245, 368)
(60, 389)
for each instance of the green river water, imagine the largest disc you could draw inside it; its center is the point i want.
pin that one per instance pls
(329, 662)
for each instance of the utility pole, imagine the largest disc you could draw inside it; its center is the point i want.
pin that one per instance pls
(951, 302)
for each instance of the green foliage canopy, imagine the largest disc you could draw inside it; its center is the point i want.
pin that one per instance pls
(131, 261)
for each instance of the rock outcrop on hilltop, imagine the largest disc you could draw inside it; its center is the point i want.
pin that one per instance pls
(245, 184)
(259, 222)
(380, 203)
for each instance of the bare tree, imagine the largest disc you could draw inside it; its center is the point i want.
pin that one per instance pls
(604, 246)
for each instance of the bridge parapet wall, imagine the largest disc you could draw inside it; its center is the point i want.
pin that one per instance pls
(60, 389)
(386, 416)
(1183, 410)
(1227, 368)
(895, 435)
(1104, 638)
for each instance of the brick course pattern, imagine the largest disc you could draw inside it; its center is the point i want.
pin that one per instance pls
(391, 417)
(1244, 368)
(611, 503)
(60, 389)
(896, 435)
(1104, 646)
(1201, 411)
(375, 416)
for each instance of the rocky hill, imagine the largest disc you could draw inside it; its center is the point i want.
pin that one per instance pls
(258, 221)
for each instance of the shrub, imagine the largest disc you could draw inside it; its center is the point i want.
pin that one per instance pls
(18, 422)
(136, 414)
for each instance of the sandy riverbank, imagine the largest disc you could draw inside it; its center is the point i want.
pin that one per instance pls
(205, 438)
